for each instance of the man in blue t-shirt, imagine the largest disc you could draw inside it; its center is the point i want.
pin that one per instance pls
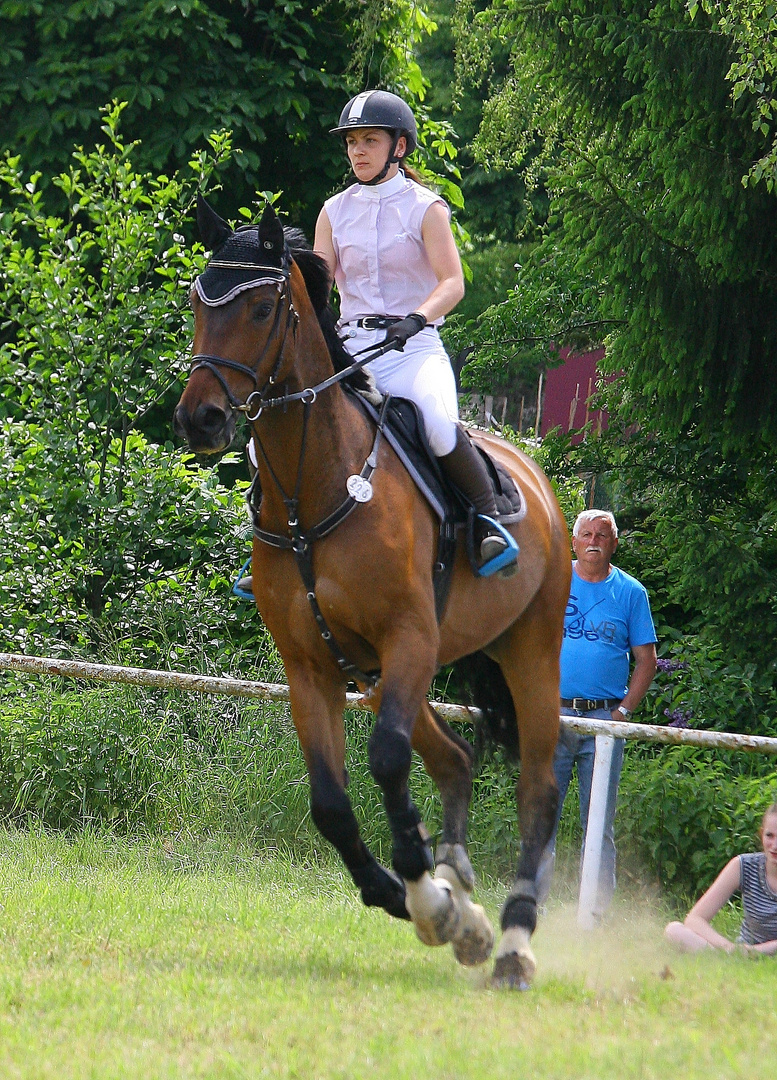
(607, 623)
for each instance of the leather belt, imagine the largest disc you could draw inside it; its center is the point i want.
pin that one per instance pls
(377, 322)
(581, 704)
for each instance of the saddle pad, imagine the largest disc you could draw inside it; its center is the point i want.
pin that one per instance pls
(404, 430)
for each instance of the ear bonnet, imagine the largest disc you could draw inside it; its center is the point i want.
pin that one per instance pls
(251, 255)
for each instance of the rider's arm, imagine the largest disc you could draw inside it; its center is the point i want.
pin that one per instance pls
(444, 259)
(323, 244)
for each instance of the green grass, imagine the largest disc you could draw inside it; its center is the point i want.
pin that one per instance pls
(200, 958)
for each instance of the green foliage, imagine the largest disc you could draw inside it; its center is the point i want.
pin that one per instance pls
(269, 70)
(684, 814)
(751, 27)
(275, 73)
(103, 528)
(548, 303)
(644, 153)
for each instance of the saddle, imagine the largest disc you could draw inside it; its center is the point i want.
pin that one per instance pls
(404, 430)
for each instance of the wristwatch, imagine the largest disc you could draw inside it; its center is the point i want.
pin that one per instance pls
(624, 712)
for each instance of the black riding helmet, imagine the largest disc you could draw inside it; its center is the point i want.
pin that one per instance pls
(380, 109)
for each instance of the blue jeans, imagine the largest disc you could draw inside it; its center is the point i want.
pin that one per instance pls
(574, 749)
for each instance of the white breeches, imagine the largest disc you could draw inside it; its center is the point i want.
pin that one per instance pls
(422, 372)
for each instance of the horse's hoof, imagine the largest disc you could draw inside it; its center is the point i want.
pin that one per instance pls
(433, 910)
(510, 973)
(474, 939)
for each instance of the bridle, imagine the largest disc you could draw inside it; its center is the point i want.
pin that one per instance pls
(213, 363)
(308, 396)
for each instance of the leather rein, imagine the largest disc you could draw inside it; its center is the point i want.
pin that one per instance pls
(298, 542)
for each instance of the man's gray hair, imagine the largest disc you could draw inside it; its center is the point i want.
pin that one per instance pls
(588, 516)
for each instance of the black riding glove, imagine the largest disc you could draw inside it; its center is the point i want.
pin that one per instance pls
(400, 331)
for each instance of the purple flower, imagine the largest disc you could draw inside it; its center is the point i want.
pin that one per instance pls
(668, 666)
(678, 718)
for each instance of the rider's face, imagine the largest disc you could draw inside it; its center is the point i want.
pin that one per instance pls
(368, 149)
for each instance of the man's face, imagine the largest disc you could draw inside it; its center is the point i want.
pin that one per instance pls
(595, 543)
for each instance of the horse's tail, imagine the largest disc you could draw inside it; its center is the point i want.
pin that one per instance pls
(483, 679)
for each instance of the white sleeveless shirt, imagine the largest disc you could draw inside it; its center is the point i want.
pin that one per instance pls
(382, 266)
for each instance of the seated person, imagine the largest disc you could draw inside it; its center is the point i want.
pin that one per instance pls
(755, 877)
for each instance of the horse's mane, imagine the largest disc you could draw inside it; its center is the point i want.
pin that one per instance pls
(315, 273)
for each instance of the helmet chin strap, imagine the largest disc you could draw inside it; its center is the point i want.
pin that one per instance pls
(390, 160)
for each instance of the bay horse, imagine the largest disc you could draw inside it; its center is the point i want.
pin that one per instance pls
(345, 587)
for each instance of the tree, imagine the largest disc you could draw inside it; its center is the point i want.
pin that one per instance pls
(275, 73)
(644, 152)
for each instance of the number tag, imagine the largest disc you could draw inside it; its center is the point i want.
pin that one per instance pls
(359, 488)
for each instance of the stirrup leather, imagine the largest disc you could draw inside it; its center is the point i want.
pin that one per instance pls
(504, 558)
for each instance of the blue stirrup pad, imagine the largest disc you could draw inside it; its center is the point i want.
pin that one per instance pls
(504, 558)
(242, 593)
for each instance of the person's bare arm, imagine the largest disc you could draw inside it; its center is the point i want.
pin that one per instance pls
(323, 244)
(444, 259)
(641, 676)
(699, 918)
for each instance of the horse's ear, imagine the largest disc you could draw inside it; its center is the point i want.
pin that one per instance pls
(271, 236)
(213, 229)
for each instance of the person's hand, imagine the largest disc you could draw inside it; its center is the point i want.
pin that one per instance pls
(399, 332)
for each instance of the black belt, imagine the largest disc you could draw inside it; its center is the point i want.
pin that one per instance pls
(377, 322)
(582, 704)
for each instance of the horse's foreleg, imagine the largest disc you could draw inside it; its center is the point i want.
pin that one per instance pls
(430, 903)
(318, 720)
(333, 816)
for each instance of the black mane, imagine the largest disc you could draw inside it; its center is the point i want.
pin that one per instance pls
(315, 273)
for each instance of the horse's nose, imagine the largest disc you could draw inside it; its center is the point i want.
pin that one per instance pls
(207, 428)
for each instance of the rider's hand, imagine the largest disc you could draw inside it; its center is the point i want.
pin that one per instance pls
(399, 332)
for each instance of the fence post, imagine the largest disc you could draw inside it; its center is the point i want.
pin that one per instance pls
(594, 834)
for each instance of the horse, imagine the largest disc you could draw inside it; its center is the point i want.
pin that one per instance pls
(342, 569)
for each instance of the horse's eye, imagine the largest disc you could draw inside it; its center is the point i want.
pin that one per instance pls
(262, 310)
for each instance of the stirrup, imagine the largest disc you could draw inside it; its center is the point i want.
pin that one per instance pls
(236, 589)
(504, 559)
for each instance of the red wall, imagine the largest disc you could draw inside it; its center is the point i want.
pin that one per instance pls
(566, 392)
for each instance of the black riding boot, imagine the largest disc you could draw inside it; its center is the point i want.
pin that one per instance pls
(466, 470)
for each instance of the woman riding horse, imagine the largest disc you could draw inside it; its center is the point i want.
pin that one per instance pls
(388, 244)
(346, 590)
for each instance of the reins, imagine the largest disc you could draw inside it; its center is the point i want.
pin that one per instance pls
(310, 393)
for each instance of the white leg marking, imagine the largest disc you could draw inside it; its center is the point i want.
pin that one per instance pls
(474, 937)
(515, 962)
(432, 908)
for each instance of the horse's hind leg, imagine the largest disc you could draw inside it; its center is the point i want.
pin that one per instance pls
(528, 656)
(447, 758)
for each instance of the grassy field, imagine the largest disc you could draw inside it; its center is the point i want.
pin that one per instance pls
(197, 958)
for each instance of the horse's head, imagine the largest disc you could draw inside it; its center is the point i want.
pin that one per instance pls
(242, 316)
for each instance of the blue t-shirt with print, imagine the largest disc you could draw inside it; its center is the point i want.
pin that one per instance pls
(603, 621)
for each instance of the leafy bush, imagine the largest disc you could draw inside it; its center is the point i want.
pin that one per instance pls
(699, 686)
(684, 812)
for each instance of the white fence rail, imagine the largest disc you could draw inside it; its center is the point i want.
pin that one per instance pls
(606, 731)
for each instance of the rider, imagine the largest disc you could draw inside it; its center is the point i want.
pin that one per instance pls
(388, 243)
